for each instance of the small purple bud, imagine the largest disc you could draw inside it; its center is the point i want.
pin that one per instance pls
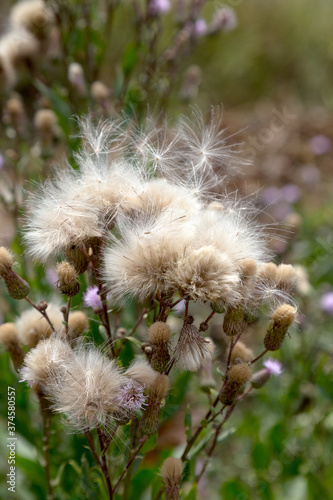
(291, 193)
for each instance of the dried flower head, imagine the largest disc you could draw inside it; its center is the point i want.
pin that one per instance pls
(68, 282)
(86, 392)
(159, 340)
(283, 317)
(192, 350)
(242, 352)
(17, 287)
(171, 472)
(9, 338)
(141, 371)
(33, 327)
(32, 15)
(46, 361)
(78, 324)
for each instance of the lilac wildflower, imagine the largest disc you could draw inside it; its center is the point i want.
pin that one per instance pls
(326, 303)
(91, 297)
(319, 144)
(199, 28)
(158, 7)
(273, 366)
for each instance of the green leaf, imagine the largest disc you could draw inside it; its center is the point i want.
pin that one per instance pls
(129, 59)
(207, 435)
(192, 495)
(188, 422)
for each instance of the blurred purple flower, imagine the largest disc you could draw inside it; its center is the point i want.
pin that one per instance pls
(271, 195)
(273, 366)
(157, 7)
(319, 144)
(2, 161)
(199, 28)
(326, 303)
(291, 193)
(51, 276)
(91, 297)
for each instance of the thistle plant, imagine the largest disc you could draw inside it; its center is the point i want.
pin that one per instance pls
(144, 224)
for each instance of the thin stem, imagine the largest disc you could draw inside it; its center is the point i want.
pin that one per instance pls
(46, 445)
(66, 315)
(212, 447)
(186, 308)
(130, 462)
(43, 313)
(102, 464)
(138, 322)
(191, 442)
(258, 357)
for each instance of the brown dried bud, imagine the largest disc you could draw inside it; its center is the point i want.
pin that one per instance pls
(150, 420)
(242, 352)
(283, 317)
(77, 258)
(238, 375)
(171, 472)
(286, 278)
(9, 338)
(42, 306)
(159, 340)
(78, 324)
(17, 287)
(68, 283)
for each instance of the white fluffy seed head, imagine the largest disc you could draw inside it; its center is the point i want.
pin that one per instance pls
(33, 327)
(46, 361)
(140, 371)
(192, 350)
(86, 392)
(32, 15)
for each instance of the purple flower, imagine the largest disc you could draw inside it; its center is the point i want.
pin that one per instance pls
(291, 193)
(2, 161)
(91, 297)
(326, 303)
(199, 28)
(273, 366)
(319, 144)
(51, 276)
(158, 7)
(271, 195)
(131, 397)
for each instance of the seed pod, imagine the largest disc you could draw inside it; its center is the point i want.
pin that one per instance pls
(68, 283)
(238, 375)
(77, 258)
(17, 287)
(234, 322)
(283, 317)
(150, 420)
(9, 338)
(159, 339)
(171, 472)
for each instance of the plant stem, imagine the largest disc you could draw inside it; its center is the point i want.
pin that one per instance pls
(102, 464)
(258, 357)
(46, 444)
(143, 440)
(43, 313)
